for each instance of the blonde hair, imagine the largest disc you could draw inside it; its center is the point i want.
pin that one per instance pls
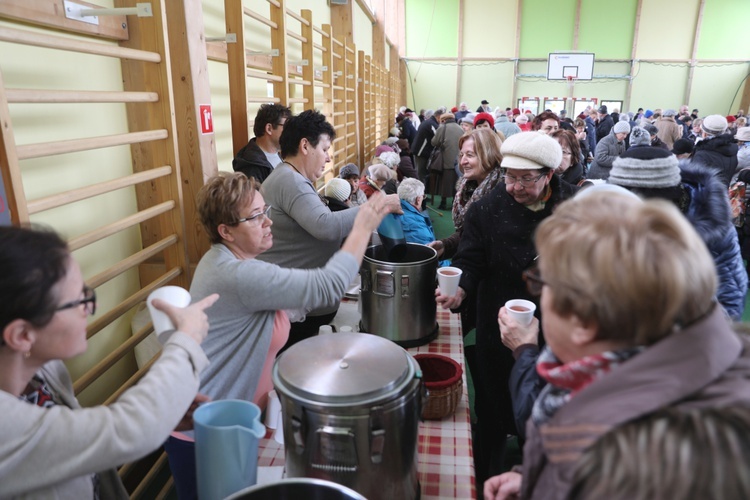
(221, 199)
(486, 146)
(638, 270)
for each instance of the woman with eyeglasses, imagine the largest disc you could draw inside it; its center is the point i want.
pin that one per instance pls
(50, 447)
(496, 247)
(250, 323)
(632, 327)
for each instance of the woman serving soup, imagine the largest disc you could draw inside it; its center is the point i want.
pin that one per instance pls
(50, 447)
(250, 323)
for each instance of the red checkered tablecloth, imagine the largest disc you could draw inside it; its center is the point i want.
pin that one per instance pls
(445, 462)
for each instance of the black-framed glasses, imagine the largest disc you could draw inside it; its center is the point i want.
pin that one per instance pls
(534, 281)
(524, 181)
(255, 218)
(88, 301)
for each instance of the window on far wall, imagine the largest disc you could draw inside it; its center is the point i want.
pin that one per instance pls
(554, 105)
(580, 106)
(529, 104)
(612, 106)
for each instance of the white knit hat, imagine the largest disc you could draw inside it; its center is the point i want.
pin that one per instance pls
(714, 125)
(338, 189)
(530, 151)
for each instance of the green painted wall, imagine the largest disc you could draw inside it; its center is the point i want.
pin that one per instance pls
(666, 32)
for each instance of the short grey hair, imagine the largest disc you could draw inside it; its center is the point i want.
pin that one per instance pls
(440, 110)
(410, 189)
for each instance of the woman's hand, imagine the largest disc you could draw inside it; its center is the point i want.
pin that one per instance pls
(439, 247)
(506, 486)
(447, 302)
(186, 423)
(190, 320)
(371, 213)
(393, 204)
(513, 334)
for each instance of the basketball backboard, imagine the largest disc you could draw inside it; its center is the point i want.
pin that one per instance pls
(579, 65)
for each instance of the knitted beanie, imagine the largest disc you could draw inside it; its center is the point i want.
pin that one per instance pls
(530, 151)
(522, 119)
(648, 113)
(515, 111)
(486, 117)
(646, 167)
(714, 125)
(349, 170)
(639, 137)
(383, 149)
(621, 128)
(338, 189)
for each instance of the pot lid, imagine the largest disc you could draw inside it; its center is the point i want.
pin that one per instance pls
(343, 368)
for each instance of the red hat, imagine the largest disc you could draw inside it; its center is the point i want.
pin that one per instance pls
(731, 119)
(486, 117)
(454, 109)
(516, 111)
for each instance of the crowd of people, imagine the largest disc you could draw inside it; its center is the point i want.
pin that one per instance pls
(618, 226)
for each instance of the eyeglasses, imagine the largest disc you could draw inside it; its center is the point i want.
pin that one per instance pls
(255, 218)
(88, 301)
(524, 181)
(534, 281)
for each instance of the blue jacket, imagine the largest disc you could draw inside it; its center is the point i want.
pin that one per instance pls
(710, 214)
(417, 226)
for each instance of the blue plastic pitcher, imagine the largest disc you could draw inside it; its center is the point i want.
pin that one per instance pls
(226, 447)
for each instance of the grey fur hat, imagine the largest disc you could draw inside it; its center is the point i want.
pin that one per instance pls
(646, 167)
(639, 137)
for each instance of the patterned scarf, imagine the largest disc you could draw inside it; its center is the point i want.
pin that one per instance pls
(468, 192)
(566, 380)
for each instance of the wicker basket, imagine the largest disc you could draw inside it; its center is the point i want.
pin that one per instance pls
(443, 379)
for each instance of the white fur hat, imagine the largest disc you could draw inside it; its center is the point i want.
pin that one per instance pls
(338, 189)
(531, 151)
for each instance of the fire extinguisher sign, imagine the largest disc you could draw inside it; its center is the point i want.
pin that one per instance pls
(206, 119)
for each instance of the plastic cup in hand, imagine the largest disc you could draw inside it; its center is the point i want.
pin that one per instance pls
(448, 280)
(521, 310)
(175, 295)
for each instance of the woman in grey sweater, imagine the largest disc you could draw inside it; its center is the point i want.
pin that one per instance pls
(50, 447)
(251, 321)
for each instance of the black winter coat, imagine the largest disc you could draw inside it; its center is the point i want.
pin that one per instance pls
(718, 153)
(252, 162)
(426, 132)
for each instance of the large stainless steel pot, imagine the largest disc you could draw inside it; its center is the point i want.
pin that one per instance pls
(397, 299)
(298, 489)
(351, 404)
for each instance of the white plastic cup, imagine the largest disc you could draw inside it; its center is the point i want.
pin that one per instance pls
(175, 295)
(345, 329)
(448, 280)
(325, 330)
(273, 410)
(521, 310)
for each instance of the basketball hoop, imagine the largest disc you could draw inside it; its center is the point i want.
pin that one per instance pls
(571, 78)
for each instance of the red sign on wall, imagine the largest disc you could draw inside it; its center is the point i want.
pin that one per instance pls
(206, 118)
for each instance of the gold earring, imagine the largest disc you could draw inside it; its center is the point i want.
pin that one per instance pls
(27, 354)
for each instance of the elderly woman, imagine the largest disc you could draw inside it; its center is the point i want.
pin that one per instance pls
(608, 149)
(479, 158)
(628, 333)
(417, 224)
(496, 246)
(446, 138)
(375, 181)
(250, 323)
(50, 447)
(546, 123)
(306, 232)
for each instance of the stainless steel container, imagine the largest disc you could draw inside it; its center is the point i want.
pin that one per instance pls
(351, 404)
(297, 489)
(397, 299)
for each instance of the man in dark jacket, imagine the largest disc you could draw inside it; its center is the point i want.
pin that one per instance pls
(717, 150)
(408, 131)
(259, 156)
(605, 123)
(422, 147)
